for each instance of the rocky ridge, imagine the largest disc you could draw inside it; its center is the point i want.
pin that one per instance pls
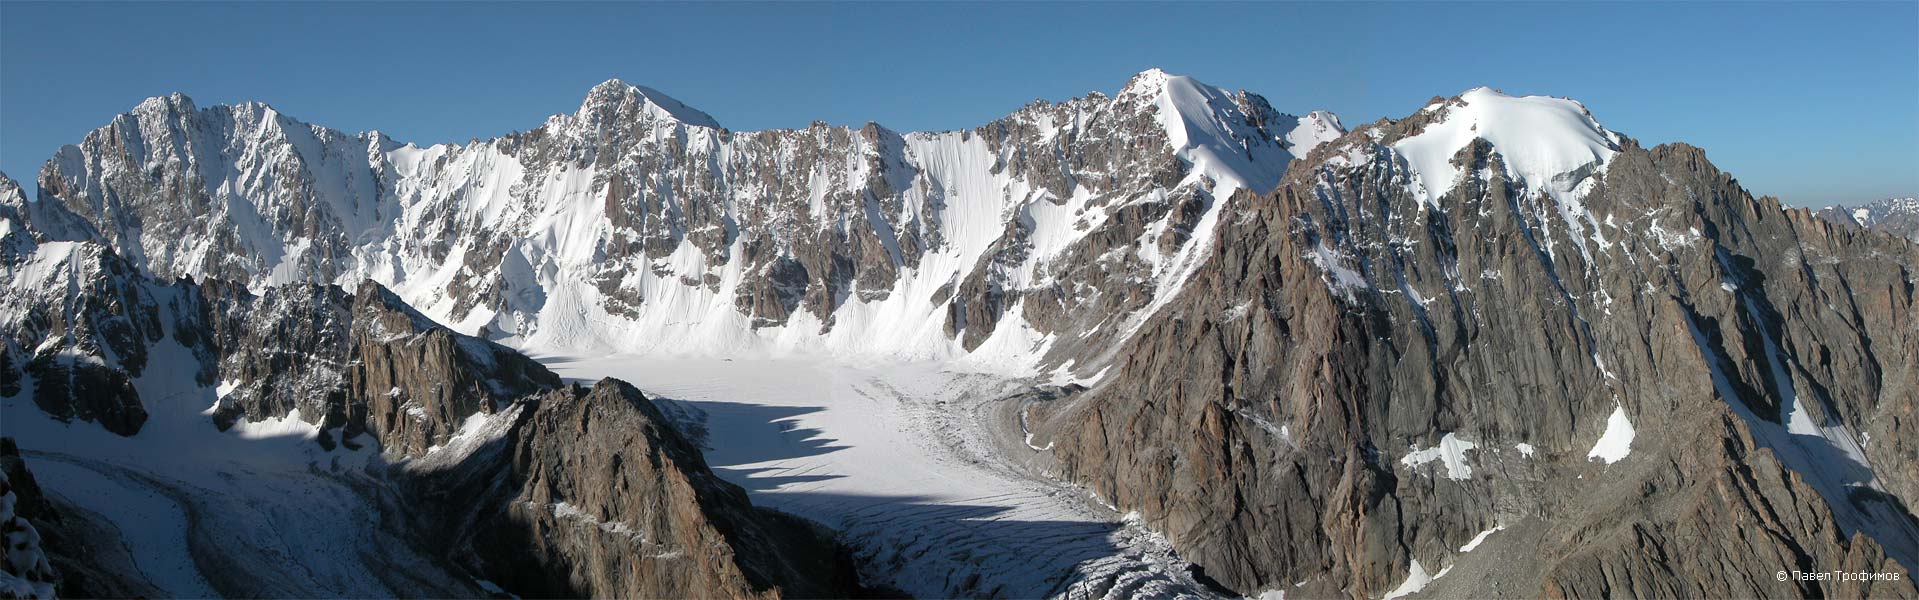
(637, 219)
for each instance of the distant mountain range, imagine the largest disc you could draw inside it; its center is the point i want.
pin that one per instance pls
(1897, 216)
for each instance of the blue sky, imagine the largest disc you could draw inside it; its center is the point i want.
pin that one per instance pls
(1815, 103)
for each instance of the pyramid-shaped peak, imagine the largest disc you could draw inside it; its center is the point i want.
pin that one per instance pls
(1150, 81)
(614, 93)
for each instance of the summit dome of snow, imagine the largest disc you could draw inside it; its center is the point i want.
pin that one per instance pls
(1551, 144)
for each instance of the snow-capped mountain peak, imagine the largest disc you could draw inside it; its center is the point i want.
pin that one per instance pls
(1308, 132)
(1209, 128)
(1550, 147)
(1148, 82)
(613, 99)
(1549, 143)
(161, 105)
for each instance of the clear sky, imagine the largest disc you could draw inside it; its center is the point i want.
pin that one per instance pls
(1815, 103)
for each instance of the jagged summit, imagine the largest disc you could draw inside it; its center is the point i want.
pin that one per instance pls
(173, 101)
(177, 106)
(614, 93)
(1149, 81)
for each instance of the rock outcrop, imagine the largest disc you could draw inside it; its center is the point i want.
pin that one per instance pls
(25, 571)
(74, 320)
(590, 492)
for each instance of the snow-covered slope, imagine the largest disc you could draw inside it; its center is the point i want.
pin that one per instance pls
(639, 224)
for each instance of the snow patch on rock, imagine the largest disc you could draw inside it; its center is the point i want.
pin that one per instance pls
(1416, 579)
(1616, 442)
(1480, 539)
(1451, 452)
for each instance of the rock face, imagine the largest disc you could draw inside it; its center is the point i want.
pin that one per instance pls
(25, 571)
(76, 321)
(364, 362)
(1897, 216)
(1661, 385)
(637, 220)
(413, 380)
(589, 492)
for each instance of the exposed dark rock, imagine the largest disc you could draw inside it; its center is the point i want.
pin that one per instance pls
(25, 571)
(88, 326)
(411, 382)
(590, 492)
